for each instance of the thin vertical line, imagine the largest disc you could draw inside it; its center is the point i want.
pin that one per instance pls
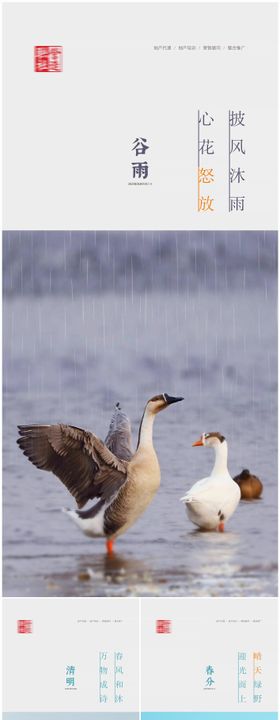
(115, 689)
(229, 161)
(198, 138)
(99, 678)
(253, 676)
(140, 658)
(198, 161)
(238, 677)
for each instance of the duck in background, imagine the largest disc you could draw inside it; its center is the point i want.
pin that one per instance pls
(250, 485)
(210, 502)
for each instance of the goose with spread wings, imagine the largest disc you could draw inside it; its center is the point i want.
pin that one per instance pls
(121, 482)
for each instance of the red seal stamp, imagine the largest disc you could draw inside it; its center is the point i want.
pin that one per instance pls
(48, 58)
(163, 626)
(24, 626)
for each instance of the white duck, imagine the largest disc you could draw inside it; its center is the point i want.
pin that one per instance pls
(211, 502)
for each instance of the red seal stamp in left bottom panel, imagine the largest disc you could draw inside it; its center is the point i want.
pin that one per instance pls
(24, 627)
(48, 58)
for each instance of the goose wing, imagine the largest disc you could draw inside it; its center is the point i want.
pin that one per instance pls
(216, 492)
(118, 439)
(77, 457)
(196, 489)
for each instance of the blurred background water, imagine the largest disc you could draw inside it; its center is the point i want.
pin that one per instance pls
(95, 318)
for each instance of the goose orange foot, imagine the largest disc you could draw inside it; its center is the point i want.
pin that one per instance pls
(221, 527)
(110, 547)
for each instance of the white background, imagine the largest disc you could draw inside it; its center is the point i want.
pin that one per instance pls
(68, 136)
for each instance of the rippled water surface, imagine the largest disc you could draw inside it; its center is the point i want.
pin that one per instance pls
(69, 357)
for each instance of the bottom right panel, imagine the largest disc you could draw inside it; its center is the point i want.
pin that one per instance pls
(208, 658)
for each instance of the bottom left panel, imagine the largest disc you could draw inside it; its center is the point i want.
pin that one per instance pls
(76, 658)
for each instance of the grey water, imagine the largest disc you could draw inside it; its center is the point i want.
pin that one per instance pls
(91, 319)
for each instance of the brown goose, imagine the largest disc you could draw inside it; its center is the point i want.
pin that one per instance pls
(122, 482)
(250, 485)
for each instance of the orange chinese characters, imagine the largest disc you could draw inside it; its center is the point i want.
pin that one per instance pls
(257, 656)
(205, 175)
(205, 203)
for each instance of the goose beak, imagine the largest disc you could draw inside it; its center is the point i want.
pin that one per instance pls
(197, 443)
(169, 399)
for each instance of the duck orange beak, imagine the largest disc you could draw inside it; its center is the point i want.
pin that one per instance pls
(197, 443)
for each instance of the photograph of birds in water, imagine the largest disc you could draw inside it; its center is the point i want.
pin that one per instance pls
(113, 328)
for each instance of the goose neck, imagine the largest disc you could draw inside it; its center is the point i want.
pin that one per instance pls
(145, 437)
(221, 456)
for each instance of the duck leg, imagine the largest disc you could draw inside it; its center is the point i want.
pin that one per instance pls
(110, 547)
(221, 527)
